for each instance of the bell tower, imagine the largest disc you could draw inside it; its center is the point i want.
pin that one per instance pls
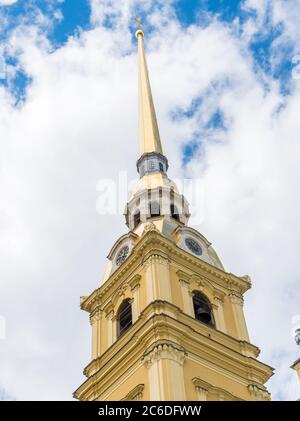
(167, 320)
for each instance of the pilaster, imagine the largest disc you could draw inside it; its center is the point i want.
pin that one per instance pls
(135, 290)
(218, 307)
(111, 327)
(237, 302)
(157, 275)
(258, 393)
(165, 364)
(95, 320)
(187, 297)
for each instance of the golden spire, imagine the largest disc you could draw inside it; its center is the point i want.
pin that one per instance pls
(149, 138)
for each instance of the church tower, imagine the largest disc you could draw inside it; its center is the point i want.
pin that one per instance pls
(167, 321)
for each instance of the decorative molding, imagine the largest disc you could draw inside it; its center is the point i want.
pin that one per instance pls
(246, 278)
(236, 298)
(96, 315)
(135, 394)
(130, 237)
(183, 276)
(152, 327)
(142, 246)
(219, 301)
(149, 226)
(184, 283)
(120, 292)
(201, 393)
(156, 258)
(135, 282)
(164, 350)
(110, 315)
(259, 393)
(215, 393)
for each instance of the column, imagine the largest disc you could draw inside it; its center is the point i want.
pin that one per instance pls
(201, 393)
(135, 290)
(258, 393)
(187, 298)
(111, 328)
(157, 273)
(238, 314)
(219, 314)
(95, 320)
(165, 364)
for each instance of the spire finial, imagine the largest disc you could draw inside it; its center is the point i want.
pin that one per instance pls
(148, 129)
(139, 30)
(139, 22)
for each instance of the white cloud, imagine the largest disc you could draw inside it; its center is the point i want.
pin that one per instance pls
(79, 125)
(7, 2)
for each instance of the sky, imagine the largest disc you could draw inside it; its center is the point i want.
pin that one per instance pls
(226, 85)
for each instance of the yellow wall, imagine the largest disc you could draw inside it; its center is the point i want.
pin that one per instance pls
(160, 357)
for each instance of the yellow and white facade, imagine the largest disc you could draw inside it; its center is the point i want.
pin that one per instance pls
(167, 321)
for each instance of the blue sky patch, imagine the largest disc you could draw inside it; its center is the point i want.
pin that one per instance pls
(19, 85)
(65, 18)
(16, 83)
(76, 14)
(190, 11)
(216, 121)
(189, 151)
(189, 112)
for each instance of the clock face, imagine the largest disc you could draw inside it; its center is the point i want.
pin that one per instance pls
(193, 246)
(122, 255)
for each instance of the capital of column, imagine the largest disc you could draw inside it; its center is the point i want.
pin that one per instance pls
(95, 316)
(201, 390)
(135, 283)
(136, 394)
(236, 298)
(164, 351)
(184, 283)
(219, 301)
(259, 393)
(149, 226)
(156, 258)
(110, 315)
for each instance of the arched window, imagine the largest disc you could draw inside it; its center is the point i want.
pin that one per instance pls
(202, 309)
(174, 212)
(136, 219)
(124, 318)
(154, 209)
(161, 167)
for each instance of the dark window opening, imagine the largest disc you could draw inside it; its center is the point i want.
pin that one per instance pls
(154, 209)
(124, 317)
(174, 212)
(161, 167)
(136, 219)
(202, 309)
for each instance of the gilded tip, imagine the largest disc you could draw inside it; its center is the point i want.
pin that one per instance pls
(139, 33)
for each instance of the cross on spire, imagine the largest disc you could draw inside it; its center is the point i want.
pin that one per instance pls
(139, 22)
